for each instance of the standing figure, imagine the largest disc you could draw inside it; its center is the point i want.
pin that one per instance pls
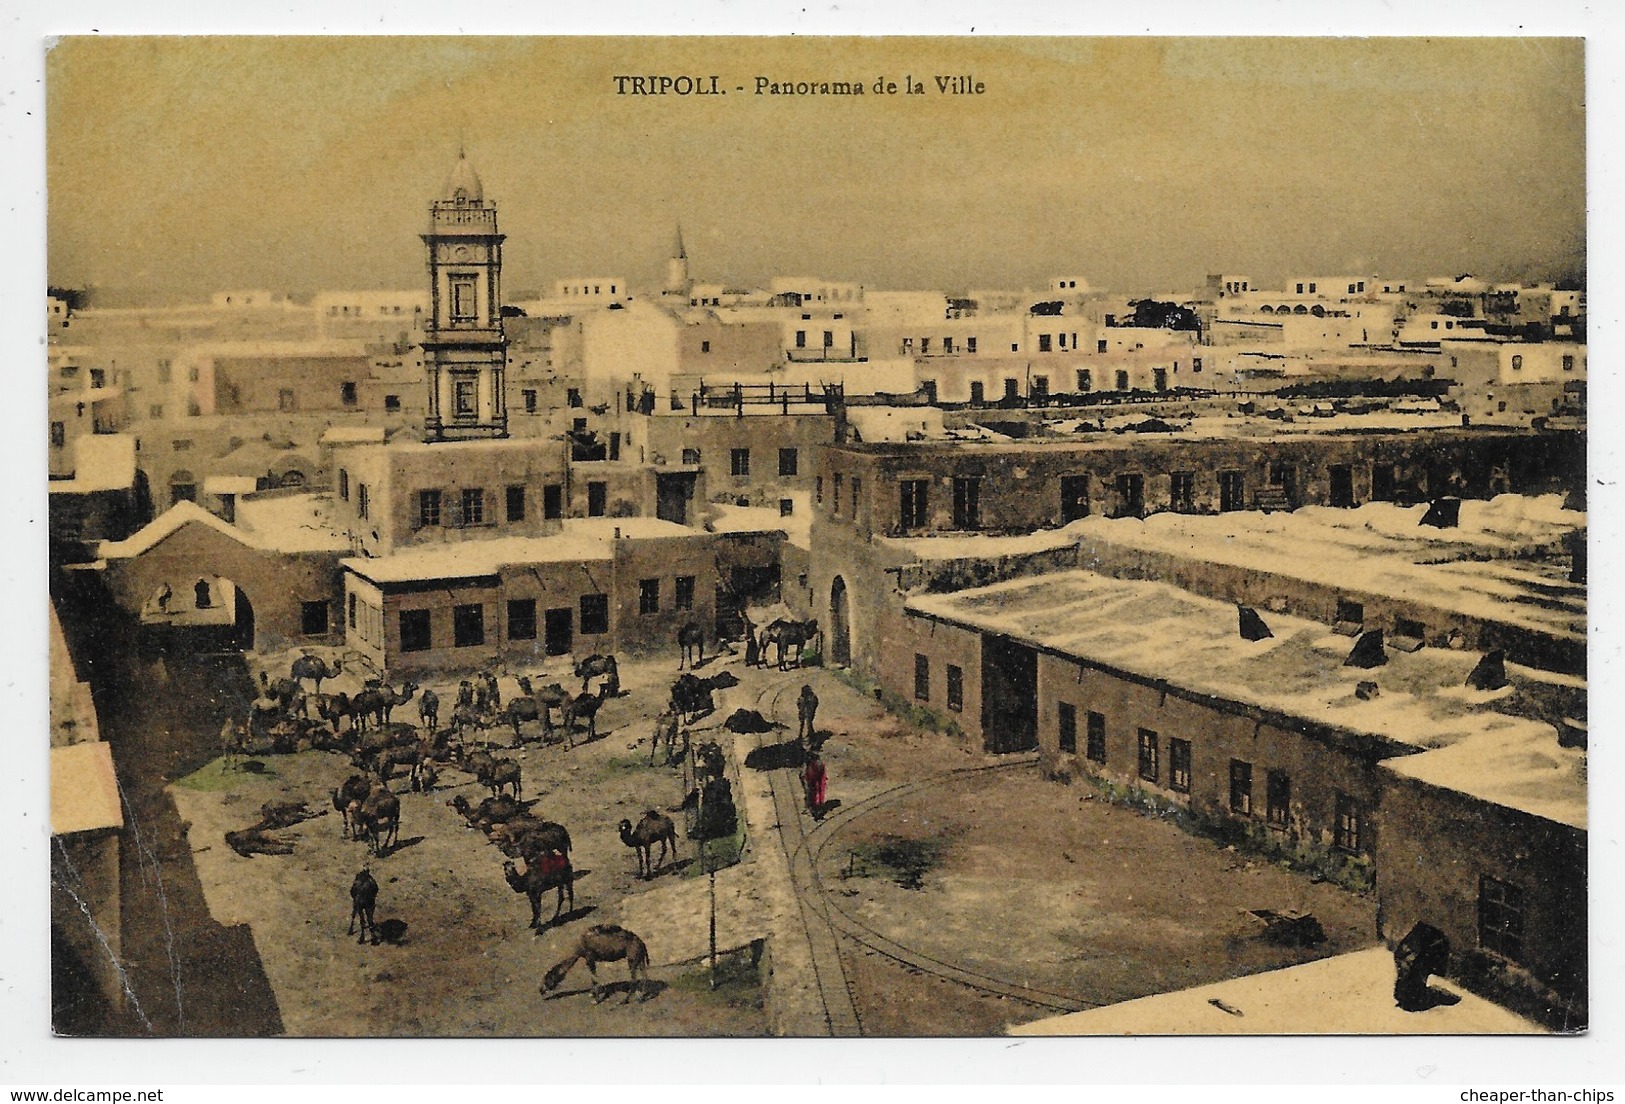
(363, 900)
(806, 710)
(164, 596)
(753, 650)
(201, 590)
(814, 779)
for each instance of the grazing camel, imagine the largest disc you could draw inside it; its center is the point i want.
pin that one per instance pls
(379, 817)
(352, 793)
(363, 899)
(575, 709)
(691, 645)
(545, 872)
(788, 634)
(314, 668)
(429, 710)
(652, 829)
(603, 943)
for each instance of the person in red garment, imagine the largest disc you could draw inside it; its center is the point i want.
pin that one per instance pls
(813, 778)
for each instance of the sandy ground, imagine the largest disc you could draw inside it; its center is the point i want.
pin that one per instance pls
(1034, 884)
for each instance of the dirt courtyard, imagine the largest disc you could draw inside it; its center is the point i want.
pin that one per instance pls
(1027, 881)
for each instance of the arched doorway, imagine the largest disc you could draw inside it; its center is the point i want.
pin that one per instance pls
(203, 613)
(840, 624)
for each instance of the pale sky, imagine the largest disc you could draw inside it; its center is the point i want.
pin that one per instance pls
(185, 165)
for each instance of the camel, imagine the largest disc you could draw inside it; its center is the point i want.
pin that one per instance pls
(521, 710)
(429, 710)
(665, 733)
(412, 757)
(548, 871)
(285, 814)
(652, 829)
(363, 898)
(257, 841)
(233, 744)
(493, 693)
(489, 812)
(691, 645)
(594, 665)
(503, 773)
(526, 837)
(691, 696)
(787, 634)
(334, 708)
(353, 792)
(379, 816)
(314, 668)
(583, 705)
(381, 701)
(603, 943)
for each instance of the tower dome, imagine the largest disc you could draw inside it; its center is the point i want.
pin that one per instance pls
(463, 183)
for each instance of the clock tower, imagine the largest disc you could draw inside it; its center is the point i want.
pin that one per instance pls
(464, 348)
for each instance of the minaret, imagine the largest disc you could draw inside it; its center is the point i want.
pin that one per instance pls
(677, 281)
(464, 348)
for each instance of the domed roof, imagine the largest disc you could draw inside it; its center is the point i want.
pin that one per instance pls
(463, 183)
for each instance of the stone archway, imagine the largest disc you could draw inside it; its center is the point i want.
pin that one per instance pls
(840, 624)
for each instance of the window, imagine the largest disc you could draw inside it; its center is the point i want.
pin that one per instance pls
(362, 504)
(683, 593)
(956, 688)
(415, 630)
(594, 614)
(1148, 755)
(1067, 727)
(970, 344)
(648, 595)
(1182, 490)
(1278, 799)
(1300, 289)
(468, 626)
(572, 397)
(787, 507)
(1196, 364)
(978, 393)
(313, 618)
(1100, 346)
(818, 490)
(473, 506)
(1405, 626)
(528, 395)
(1159, 378)
(1500, 917)
(835, 499)
(1086, 380)
(286, 401)
(829, 339)
(789, 462)
(1517, 363)
(739, 462)
(59, 434)
(1012, 389)
(912, 495)
(908, 346)
(922, 678)
(516, 502)
(1241, 788)
(1568, 363)
(1096, 748)
(462, 298)
(164, 371)
(801, 339)
(1122, 380)
(1074, 497)
(1179, 765)
(464, 400)
(597, 499)
(351, 610)
(392, 402)
(1130, 494)
(1346, 830)
(521, 619)
(1039, 387)
(691, 457)
(967, 502)
(552, 502)
(857, 487)
(192, 374)
(1043, 343)
(347, 393)
(705, 346)
(156, 410)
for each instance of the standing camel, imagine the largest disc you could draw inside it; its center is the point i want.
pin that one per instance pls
(550, 870)
(652, 829)
(379, 702)
(363, 898)
(594, 665)
(379, 816)
(584, 706)
(787, 634)
(603, 943)
(691, 645)
(349, 797)
(314, 668)
(665, 732)
(429, 710)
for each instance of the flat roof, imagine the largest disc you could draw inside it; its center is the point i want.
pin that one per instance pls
(1164, 636)
(291, 522)
(797, 527)
(1349, 994)
(101, 462)
(1516, 769)
(84, 789)
(1480, 568)
(1206, 427)
(581, 539)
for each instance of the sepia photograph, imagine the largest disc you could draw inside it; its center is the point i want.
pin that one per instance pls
(816, 537)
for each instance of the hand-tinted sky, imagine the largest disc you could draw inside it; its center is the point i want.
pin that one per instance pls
(184, 165)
